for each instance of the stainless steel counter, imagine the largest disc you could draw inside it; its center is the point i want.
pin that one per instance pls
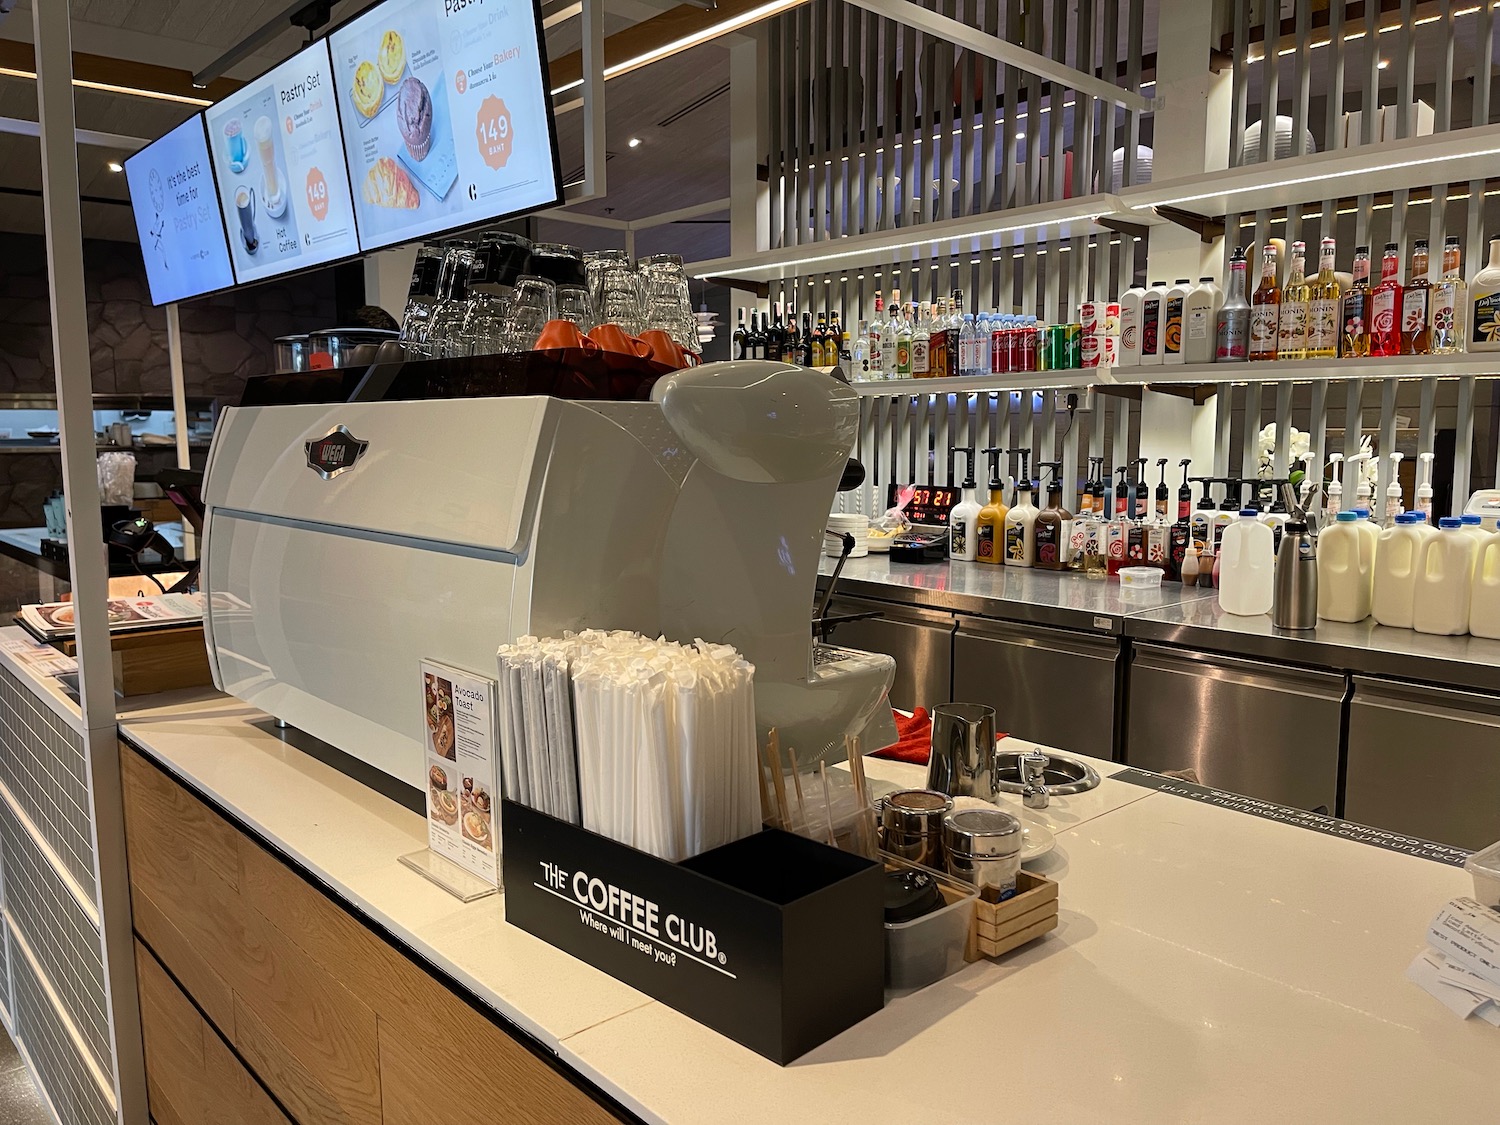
(1009, 593)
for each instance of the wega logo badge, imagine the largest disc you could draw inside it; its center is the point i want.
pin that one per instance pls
(337, 453)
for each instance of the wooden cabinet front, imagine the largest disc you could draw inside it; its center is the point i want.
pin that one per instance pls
(264, 1002)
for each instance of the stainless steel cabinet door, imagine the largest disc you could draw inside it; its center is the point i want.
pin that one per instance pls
(1051, 686)
(1425, 761)
(1265, 730)
(920, 640)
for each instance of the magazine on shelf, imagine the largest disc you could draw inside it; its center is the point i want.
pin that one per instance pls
(55, 621)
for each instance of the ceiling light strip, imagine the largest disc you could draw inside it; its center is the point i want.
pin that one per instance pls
(111, 88)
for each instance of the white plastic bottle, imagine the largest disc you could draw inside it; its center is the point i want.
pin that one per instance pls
(1484, 607)
(1247, 565)
(1474, 525)
(1445, 580)
(1346, 570)
(1153, 322)
(1130, 326)
(963, 521)
(1394, 594)
(1200, 313)
(1174, 322)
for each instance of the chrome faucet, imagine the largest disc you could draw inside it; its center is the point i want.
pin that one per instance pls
(1034, 793)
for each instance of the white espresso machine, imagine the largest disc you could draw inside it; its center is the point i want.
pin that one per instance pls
(345, 543)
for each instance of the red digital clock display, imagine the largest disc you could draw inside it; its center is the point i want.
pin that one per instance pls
(930, 504)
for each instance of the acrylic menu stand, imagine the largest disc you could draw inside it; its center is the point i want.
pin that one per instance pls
(462, 885)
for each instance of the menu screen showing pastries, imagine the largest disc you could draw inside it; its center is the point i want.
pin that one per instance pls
(283, 185)
(446, 116)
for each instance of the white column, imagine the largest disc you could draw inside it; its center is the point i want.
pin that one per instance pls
(749, 199)
(86, 555)
(388, 278)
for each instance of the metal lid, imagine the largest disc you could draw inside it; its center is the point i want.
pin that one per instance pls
(982, 832)
(915, 810)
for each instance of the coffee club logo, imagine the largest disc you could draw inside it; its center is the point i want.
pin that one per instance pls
(633, 920)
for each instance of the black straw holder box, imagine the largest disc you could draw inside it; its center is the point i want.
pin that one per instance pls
(774, 941)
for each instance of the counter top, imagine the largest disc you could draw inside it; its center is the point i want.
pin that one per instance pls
(1180, 615)
(1014, 593)
(1208, 966)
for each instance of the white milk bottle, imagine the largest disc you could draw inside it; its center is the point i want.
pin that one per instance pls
(1484, 608)
(1445, 580)
(1395, 588)
(1247, 565)
(1346, 570)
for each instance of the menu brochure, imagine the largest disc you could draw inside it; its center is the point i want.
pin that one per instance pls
(459, 738)
(447, 118)
(55, 620)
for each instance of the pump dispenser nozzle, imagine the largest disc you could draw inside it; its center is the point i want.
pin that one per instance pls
(967, 452)
(1424, 485)
(1142, 489)
(1393, 505)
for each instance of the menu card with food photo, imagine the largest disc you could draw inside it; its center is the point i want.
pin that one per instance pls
(54, 620)
(459, 735)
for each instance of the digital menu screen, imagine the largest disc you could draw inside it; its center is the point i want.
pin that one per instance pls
(446, 114)
(177, 217)
(282, 182)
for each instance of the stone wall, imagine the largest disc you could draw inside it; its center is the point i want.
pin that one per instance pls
(224, 338)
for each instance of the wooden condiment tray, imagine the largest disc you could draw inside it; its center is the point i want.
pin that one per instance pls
(1000, 927)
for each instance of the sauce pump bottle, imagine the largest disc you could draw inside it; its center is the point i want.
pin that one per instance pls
(1053, 524)
(962, 539)
(989, 527)
(1020, 521)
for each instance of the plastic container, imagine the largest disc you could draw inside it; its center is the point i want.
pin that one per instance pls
(1140, 577)
(1485, 504)
(852, 523)
(926, 949)
(1445, 580)
(1484, 866)
(1346, 570)
(1247, 566)
(1394, 593)
(1484, 600)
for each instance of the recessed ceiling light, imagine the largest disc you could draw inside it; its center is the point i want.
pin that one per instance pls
(1382, 64)
(635, 142)
(115, 166)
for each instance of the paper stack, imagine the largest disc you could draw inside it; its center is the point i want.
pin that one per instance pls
(1461, 965)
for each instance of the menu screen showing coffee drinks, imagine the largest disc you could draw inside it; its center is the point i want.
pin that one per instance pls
(446, 114)
(280, 169)
(177, 217)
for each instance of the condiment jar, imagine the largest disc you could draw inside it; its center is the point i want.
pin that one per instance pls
(984, 848)
(913, 823)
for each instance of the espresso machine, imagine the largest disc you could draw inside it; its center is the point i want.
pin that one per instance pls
(345, 542)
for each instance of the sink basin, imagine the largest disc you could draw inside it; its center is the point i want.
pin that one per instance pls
(1062, 777)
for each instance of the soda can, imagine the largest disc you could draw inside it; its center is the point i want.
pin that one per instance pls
(1093, 349)
(1111, 325)
(1109, 354)
(1055, 350)
(1074, 338)
(1090, 312)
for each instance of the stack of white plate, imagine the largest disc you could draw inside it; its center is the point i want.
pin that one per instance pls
(850, 523)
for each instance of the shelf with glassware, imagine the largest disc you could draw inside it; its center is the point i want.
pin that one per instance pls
(1456, 156)
(500, 294)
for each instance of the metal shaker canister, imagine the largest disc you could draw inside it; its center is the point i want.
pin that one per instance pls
(913, 824)
(984, 848)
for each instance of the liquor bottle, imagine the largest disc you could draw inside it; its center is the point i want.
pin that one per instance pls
(1354, 332)
(1450, 304)
(771, 330)
(1385, 305)
(903, 341)
(937, 341)
(1484, 304)
(1416, 305)
(1233, 329)
(1291, 340)
(755, 342)
(955, 329)
(1323, 308)
(875, 348)
(805, 345)
(841, 338)
(1265, 309)
(740, 335)
(921, 341)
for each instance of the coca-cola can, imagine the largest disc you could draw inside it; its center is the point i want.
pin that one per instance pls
(1111, 319)
(1090, 312)
(1093, 349)
(1109, 352)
